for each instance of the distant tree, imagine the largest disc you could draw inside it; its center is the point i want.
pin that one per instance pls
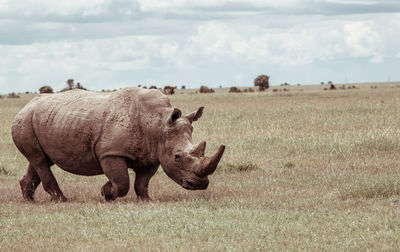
(262, 82)
(46, 89)
(70, 83)
(183, 87)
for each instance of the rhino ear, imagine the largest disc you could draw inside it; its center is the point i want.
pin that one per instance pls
(195, 115)
(176, 114)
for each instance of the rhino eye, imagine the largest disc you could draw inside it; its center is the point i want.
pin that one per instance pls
(177, 157)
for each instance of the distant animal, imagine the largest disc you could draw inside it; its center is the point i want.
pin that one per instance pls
(90, 133)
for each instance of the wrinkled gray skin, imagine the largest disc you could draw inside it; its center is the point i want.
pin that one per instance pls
(89, 133)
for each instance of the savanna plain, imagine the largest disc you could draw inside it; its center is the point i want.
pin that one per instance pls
(305, 169)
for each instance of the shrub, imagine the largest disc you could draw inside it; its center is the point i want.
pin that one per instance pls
(46, 89)
(152, 87)
(79, 86)
(262, 82)
(234, 90)
(71, 85)
(13, 95)
(169, 90)
(205, 89)
(183, 87)
(248, 90)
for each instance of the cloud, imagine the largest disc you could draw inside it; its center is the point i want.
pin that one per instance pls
(363, 40)
(125, 42)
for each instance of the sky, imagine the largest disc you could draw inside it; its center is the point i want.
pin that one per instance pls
(110, 44)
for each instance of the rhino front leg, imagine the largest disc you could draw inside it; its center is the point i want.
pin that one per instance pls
(117, 172)
(142, 183)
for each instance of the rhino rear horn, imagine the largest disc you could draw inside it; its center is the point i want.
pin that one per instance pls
(198, 150)
(212, 162)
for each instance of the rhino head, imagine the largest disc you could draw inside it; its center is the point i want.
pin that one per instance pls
(183, 161)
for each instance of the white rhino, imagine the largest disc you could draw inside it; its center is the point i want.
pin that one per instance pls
(90, 133)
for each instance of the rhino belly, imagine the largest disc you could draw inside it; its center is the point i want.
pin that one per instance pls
(75, 158)
(68, 140)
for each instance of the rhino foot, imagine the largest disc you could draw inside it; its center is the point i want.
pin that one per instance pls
(145, 199)
(106, 192)
(27, 190)
(29, 182)
(58, 198)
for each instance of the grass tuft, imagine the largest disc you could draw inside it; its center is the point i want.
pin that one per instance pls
(382, 186)
(288, 164)
(240, 167)
(4, 171)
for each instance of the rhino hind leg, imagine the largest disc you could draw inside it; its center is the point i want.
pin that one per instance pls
(50, 184)
(38, 171)
(29, 183)
(117, 172)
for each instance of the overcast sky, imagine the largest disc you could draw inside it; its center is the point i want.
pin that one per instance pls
(107, 44)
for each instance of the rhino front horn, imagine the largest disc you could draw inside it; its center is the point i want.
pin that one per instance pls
(212, 162)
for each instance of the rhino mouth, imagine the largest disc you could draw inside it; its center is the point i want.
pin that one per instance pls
(195, 185)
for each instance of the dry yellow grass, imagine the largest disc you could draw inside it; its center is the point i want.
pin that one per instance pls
(303, 170)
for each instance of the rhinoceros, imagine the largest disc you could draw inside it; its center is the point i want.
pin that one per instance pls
(91, 133)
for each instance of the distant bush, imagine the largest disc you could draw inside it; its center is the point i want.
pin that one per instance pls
(13, 95)
(79, 86)
(152, 87)
(250, 90)
(169, 90)
(262, 82)
(183, 87)
(205, 89)
(234, 90)
(46, 89)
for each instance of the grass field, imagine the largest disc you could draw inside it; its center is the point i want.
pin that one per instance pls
(303, 170)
